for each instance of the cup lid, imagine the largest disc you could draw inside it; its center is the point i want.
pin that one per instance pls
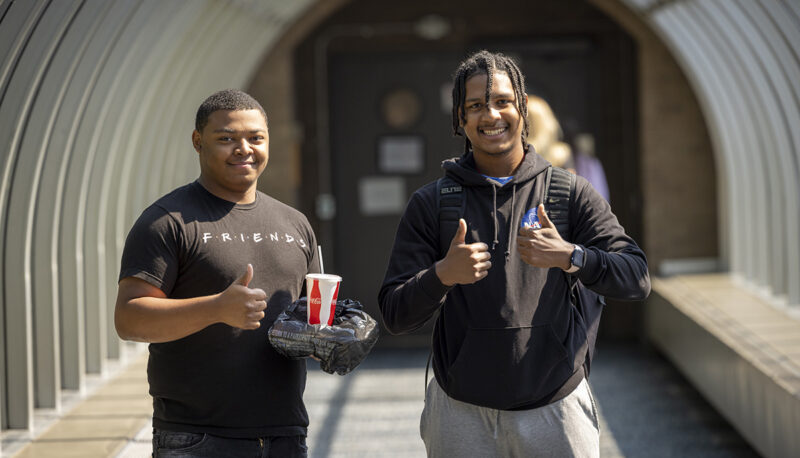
(329, 277)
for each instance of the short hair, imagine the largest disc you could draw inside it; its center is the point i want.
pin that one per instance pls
(226, 99)
(485, 62)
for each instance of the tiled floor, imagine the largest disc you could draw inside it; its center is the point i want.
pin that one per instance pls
(103, 424)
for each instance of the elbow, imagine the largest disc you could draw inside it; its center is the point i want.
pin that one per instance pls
(392, 324)
(642, 290)
(397, 327)
(634, 289)
(398, 317)
(122, 331)
(122, 325)
(389, 323)
(393, 328)
(645, 288)
(640, 281)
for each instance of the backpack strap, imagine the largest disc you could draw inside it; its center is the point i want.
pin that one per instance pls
(450, 205)
(559, 186)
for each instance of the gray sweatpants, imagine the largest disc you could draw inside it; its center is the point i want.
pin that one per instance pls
(566, 428)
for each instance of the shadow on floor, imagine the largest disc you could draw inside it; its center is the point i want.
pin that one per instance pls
(652, 411)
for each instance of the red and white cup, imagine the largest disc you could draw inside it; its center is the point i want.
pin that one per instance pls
(321, 290)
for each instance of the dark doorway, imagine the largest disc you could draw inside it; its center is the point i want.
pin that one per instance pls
(390, 125)
(389, 135)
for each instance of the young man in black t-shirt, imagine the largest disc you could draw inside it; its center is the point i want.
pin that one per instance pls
(205, 271)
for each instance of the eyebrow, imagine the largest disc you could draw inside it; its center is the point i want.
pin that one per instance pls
(228, 130)
(482, 98)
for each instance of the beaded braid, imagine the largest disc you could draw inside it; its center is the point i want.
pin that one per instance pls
(488, 63)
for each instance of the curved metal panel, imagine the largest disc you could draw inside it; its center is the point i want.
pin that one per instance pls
(23, 202)
(18, 24)
(749, 118)
(195, 53)
(704, 69)
(743, 58)
(783, 36)
(93, 157)
(756, 37)
(136, 166)
(75, 158)
(15, 28)
(151, 24)
(15, 111)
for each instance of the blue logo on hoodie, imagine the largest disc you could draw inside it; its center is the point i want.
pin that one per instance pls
(531, 219)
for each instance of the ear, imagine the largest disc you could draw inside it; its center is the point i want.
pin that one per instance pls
(196, 140)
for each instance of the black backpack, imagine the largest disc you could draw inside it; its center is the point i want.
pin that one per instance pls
(559, 189)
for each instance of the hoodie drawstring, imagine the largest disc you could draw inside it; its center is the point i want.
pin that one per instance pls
(494, 213)
(511, 221)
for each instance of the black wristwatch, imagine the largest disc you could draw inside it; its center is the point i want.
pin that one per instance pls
(577, 259)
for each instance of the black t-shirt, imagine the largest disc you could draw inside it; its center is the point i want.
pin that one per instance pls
(223, 380)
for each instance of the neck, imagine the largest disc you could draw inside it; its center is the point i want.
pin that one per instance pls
(504, 165)
(247, 196)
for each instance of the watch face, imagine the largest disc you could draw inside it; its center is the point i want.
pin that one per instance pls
(577, 258)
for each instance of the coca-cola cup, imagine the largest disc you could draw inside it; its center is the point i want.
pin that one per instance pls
(321, 290)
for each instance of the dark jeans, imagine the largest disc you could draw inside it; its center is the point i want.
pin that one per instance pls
(179, 445)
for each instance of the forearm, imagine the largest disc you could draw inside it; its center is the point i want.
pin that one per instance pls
(407, 306)
(617, 275)
(614, 265)
(156, 320)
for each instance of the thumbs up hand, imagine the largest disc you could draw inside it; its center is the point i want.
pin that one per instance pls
(240, 306)
(544, 247)
(245, 279)
(465, 263)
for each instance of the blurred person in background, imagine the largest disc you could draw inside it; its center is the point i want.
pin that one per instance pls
(544, 133)
(588, 165)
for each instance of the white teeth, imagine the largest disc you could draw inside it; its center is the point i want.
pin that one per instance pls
(494, 131)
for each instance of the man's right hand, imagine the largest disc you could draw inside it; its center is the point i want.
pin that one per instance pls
(241, 306)
(464, 263)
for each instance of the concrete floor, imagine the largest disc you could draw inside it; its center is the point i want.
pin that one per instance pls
(647, 410)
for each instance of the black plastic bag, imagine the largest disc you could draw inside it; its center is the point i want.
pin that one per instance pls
(340, 347)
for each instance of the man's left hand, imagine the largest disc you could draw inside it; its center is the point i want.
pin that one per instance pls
(544, 247)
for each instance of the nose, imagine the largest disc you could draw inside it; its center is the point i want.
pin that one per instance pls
(491, 112)
(243, 147)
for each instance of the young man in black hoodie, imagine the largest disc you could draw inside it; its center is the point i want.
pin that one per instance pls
(509, 345)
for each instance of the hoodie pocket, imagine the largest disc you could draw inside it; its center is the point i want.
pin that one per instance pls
(508, 367)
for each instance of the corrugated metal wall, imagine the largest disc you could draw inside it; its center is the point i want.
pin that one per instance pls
(743, 60)
(97, 102)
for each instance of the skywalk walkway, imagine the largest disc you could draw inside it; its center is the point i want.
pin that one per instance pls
(647, 410)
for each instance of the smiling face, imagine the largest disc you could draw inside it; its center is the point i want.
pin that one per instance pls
(494, 129)
(233, 149)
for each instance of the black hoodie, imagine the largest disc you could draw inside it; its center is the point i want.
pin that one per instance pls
(512, 340)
